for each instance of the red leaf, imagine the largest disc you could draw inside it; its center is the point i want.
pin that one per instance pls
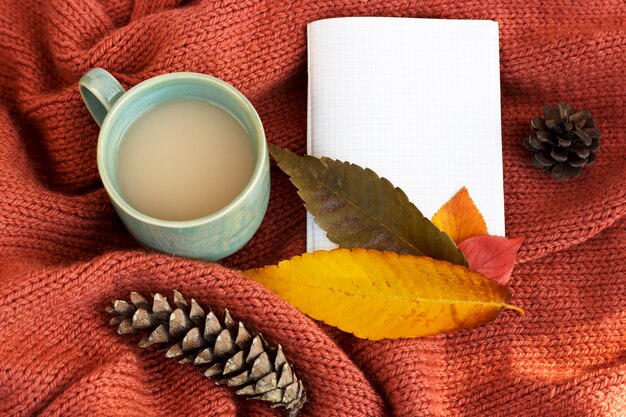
(492, 256)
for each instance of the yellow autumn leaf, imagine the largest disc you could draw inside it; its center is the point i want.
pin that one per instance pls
(459, 218)
(377, 295)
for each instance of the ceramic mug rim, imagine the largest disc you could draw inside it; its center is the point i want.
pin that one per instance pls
(116, 112)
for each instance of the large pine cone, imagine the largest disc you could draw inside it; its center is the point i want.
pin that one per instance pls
(564, 142)
(224, 349)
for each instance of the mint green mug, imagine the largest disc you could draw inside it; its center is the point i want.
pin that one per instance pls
(215, 236)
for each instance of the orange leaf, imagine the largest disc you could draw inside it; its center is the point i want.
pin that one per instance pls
(459, 218)
(492, 256)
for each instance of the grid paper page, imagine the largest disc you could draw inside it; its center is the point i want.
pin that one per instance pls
(416, 100)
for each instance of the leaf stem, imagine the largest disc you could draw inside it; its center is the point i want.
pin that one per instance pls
(515, 308)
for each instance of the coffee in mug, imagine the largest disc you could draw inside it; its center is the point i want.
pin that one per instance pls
(184, 160)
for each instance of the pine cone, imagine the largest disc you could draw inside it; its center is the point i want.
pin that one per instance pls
(564, 142)
(223, 348)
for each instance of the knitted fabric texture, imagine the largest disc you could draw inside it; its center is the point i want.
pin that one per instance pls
(64, 254)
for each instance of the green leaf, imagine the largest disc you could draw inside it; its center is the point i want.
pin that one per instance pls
(358, 209)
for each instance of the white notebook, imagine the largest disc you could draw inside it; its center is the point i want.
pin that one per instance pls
(416, 100)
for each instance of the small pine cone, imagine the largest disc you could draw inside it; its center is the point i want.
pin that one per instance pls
(564, 142)
(223, 348)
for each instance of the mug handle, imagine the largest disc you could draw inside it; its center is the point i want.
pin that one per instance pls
(99, 90)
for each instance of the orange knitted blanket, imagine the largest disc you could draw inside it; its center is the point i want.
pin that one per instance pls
(64, 254)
